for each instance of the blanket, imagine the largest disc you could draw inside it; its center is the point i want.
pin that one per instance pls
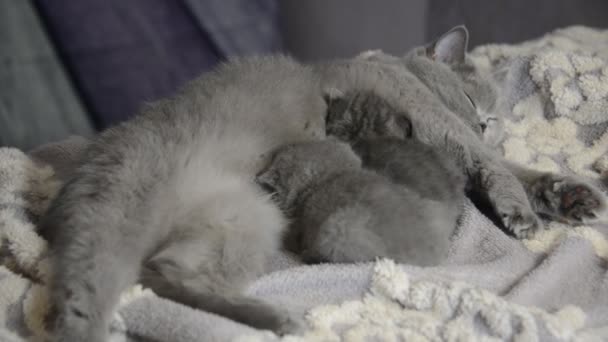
(553, 287)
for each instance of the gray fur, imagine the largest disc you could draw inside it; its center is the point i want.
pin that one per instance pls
(343, 213)
(444, 96)
(172, 190)
(425, 170)
(182, 170)
(364, 115)
(415, 90)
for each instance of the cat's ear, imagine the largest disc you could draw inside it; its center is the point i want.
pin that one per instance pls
(451, 47)
(331, 94)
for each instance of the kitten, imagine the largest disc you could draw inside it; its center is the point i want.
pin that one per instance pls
(343, 213)
(379, 141)
(350, 118)
(168, 197)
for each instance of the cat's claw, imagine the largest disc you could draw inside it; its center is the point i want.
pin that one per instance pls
(575, 201)
(521, 221)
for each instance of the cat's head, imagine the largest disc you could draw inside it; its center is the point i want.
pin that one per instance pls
(459, 83)
(361, 115)
(294, 168)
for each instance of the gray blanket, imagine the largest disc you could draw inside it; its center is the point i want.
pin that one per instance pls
(492, 287)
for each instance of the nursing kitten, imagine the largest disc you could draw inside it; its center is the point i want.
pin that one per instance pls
(168, 197)
(376, 131)
(343, 213)
(364, 115)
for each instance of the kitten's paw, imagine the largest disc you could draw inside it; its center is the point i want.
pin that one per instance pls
(574, 201)
(519, 219)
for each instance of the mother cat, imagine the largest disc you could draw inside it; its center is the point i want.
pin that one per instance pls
(169, 197)
(434, 94)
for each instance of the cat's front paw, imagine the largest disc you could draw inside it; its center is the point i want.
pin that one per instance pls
(574, 201)
(519, 219)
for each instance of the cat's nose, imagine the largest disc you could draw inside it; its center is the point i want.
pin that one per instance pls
(483, 126)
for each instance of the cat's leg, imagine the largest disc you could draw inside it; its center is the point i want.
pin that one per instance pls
(493, 181)
(90, 271)
(507, 196)
(176, 274)
(100, 226)
(563, 198)
(220, 246)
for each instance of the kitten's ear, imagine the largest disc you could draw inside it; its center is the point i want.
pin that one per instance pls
(451, 47)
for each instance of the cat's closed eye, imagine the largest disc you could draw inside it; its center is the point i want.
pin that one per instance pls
(471, 100)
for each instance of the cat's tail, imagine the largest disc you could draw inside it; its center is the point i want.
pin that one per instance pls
(240, 308)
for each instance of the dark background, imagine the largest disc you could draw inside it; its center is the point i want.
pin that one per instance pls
(78, 66)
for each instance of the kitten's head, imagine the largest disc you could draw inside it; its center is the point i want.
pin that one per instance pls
(294, 168)
(472, 90)
(363, 115)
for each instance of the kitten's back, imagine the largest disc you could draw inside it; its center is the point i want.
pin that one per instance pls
(358, 215)
(424, 169)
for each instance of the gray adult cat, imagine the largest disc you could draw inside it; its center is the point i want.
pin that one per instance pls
(341, 212)
(435, 87)
(168, 197)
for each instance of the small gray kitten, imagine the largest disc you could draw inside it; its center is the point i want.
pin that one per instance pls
(364, 115)
(343, 213)
(376, 131)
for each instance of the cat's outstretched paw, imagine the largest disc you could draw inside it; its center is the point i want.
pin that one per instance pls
(519, 220)
(573, 201)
